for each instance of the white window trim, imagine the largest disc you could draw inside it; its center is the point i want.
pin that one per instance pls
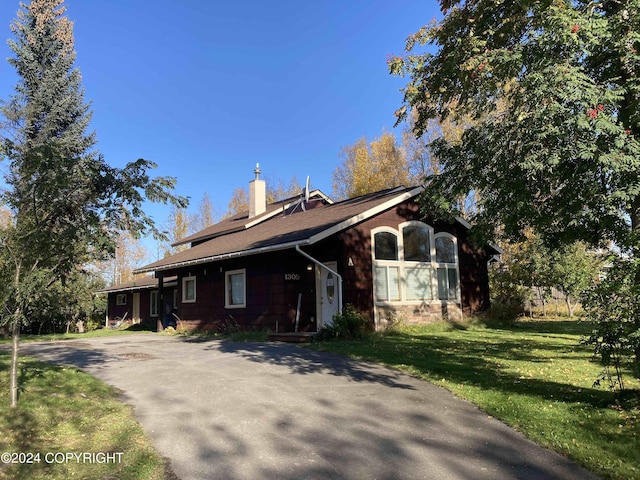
(153, 305)
(432, 242)
(455, 265)
(386, 264)
(120, 296)
(385, 230)
(184, 289)
(433, 265)
(227, 275)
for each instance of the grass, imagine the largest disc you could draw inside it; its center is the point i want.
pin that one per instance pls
(63, 410)
(101, 332)
(534, 376)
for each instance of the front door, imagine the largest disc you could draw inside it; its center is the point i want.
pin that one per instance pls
(136, 308)
(327, 288)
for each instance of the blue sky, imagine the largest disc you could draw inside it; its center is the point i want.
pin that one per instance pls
(207, 89)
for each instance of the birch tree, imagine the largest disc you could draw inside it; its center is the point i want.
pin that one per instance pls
(367, 167)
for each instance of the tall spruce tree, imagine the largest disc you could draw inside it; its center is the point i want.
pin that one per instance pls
(553, 87)
(67, 202)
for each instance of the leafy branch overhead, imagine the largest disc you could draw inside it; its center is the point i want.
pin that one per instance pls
(553, 88)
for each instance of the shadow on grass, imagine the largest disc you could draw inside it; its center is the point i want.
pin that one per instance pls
(462, 358)
(553, 327)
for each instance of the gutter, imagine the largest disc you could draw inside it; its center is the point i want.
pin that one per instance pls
(214, 258)
(322, 265)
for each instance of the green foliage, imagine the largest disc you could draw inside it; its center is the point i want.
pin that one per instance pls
(67, 203)
(614, 306)
(553, 89)
(349, 325)
(531, 264)
(574, 270)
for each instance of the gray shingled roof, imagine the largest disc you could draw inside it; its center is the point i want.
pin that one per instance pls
(282, 232)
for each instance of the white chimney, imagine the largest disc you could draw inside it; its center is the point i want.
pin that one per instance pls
(257, 195)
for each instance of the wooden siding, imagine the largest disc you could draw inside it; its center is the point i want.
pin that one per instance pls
(118, 311)
(270, 298)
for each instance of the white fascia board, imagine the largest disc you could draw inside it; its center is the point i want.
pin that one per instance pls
(463, 222)
(267, 216)
(319, 193)
(497, 248)
(365, 215)
(114, 289)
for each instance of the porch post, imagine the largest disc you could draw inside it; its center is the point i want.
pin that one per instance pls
(160, 304)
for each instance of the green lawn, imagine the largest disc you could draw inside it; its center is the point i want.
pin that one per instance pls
(65, 411)
(534, 376)
(101, 332)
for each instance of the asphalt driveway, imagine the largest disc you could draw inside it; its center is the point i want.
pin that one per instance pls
(225, 410)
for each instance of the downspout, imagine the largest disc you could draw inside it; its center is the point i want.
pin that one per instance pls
(322, 265)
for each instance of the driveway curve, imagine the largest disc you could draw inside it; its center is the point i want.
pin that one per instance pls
(226, 410)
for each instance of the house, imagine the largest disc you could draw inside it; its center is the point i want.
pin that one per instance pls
(292, 265)
(136, 301)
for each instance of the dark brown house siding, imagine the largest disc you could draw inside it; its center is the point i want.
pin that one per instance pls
(273, 282)
(115, 311)
(358, 279)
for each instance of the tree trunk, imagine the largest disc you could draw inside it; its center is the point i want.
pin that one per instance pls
(14, 363)
(543, 300)
(634, 214)
(569, 306)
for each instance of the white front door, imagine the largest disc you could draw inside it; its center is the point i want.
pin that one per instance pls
(327, 293)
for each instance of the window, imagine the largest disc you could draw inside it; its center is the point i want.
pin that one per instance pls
(445, 249)
(189, 289)
(235, 288)
(414, 265)
(153, 303)
(416, 243)
(387, 275)
(447, 267)
(419, 281)
(121, 299)
(386, 246)
(387, 284)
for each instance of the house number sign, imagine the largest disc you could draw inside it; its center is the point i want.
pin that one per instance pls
(292, 276)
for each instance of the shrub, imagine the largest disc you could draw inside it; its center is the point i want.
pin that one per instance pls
(504, 313)
(349, 325)
(613, 305)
